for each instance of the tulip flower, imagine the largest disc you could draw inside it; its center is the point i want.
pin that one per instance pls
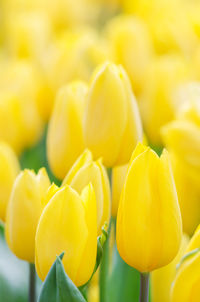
(162, 279)
(118, 179)
(156, 102)
(9, 168)
(68, 224)
(23, 212)
(187, 282)
(112, 125)
(84, 171)
(65, 134)
(131, 46)
(182, 139)
(149, 227)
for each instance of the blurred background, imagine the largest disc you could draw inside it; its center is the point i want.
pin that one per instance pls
(45, 44)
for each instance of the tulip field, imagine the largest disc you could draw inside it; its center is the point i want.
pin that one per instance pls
(99, 151)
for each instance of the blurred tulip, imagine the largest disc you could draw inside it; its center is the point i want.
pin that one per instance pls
(9, 168)
(131, 46)
(70, 220)
(93, 291)
(74, 55)
(182, 138)
(23, 212)
(187, 282)
(163, 77)
(20, 123)
(112, 125)
(168, 23)
(84, 171)
(149, 228)
(27, 34)
(118, 179)
(65, 133)
(162, 279)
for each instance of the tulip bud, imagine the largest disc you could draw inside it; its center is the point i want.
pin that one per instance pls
(182, 139)
(162, 78)
(23, 212)
(118, 179)
(9, 168)
(161, 279)
(84, 171)
(112, 125)
(186, 283)
(68, 224)
(65, 134)
(131, 46)
(149, 228)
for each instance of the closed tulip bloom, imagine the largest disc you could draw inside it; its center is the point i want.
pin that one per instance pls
(156, 102)
(65, 134)
(23, 212)
(68, 224)
(149, 227)
(162, 279)
(84, 171)
(9, 168)
(112, 125)
(118, 179)
(187, 281)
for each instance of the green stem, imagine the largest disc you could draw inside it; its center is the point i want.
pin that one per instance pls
(144, 287)
(32, 295)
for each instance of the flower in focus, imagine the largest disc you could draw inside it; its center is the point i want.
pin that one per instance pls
(65, 133)
(84, 171)
(112, 125)
(23, 212)
(68, 224)
(9, 168)
(149, 227)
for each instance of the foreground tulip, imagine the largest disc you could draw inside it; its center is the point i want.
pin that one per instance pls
(112, 125)
(9, 168)
(186, 284)
(23, 212)
(162, 279)
(65, 134)
(84, 171)
(149, 227)
(68, 224)
(118, 179)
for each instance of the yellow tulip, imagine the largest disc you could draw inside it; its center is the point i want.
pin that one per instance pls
(161, 279)
(112, 125)
(84, 171)
(65, 134)
(23, 212)
(9, 168)
(68, 224)
(163, 76)
(149, 227)
(118, 179)
(20, 122)
(182, 139)
(187, 281)
(131, 46)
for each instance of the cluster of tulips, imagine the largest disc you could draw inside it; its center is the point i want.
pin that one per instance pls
(113, 90)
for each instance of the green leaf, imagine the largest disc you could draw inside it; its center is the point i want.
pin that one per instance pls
(58, 287)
